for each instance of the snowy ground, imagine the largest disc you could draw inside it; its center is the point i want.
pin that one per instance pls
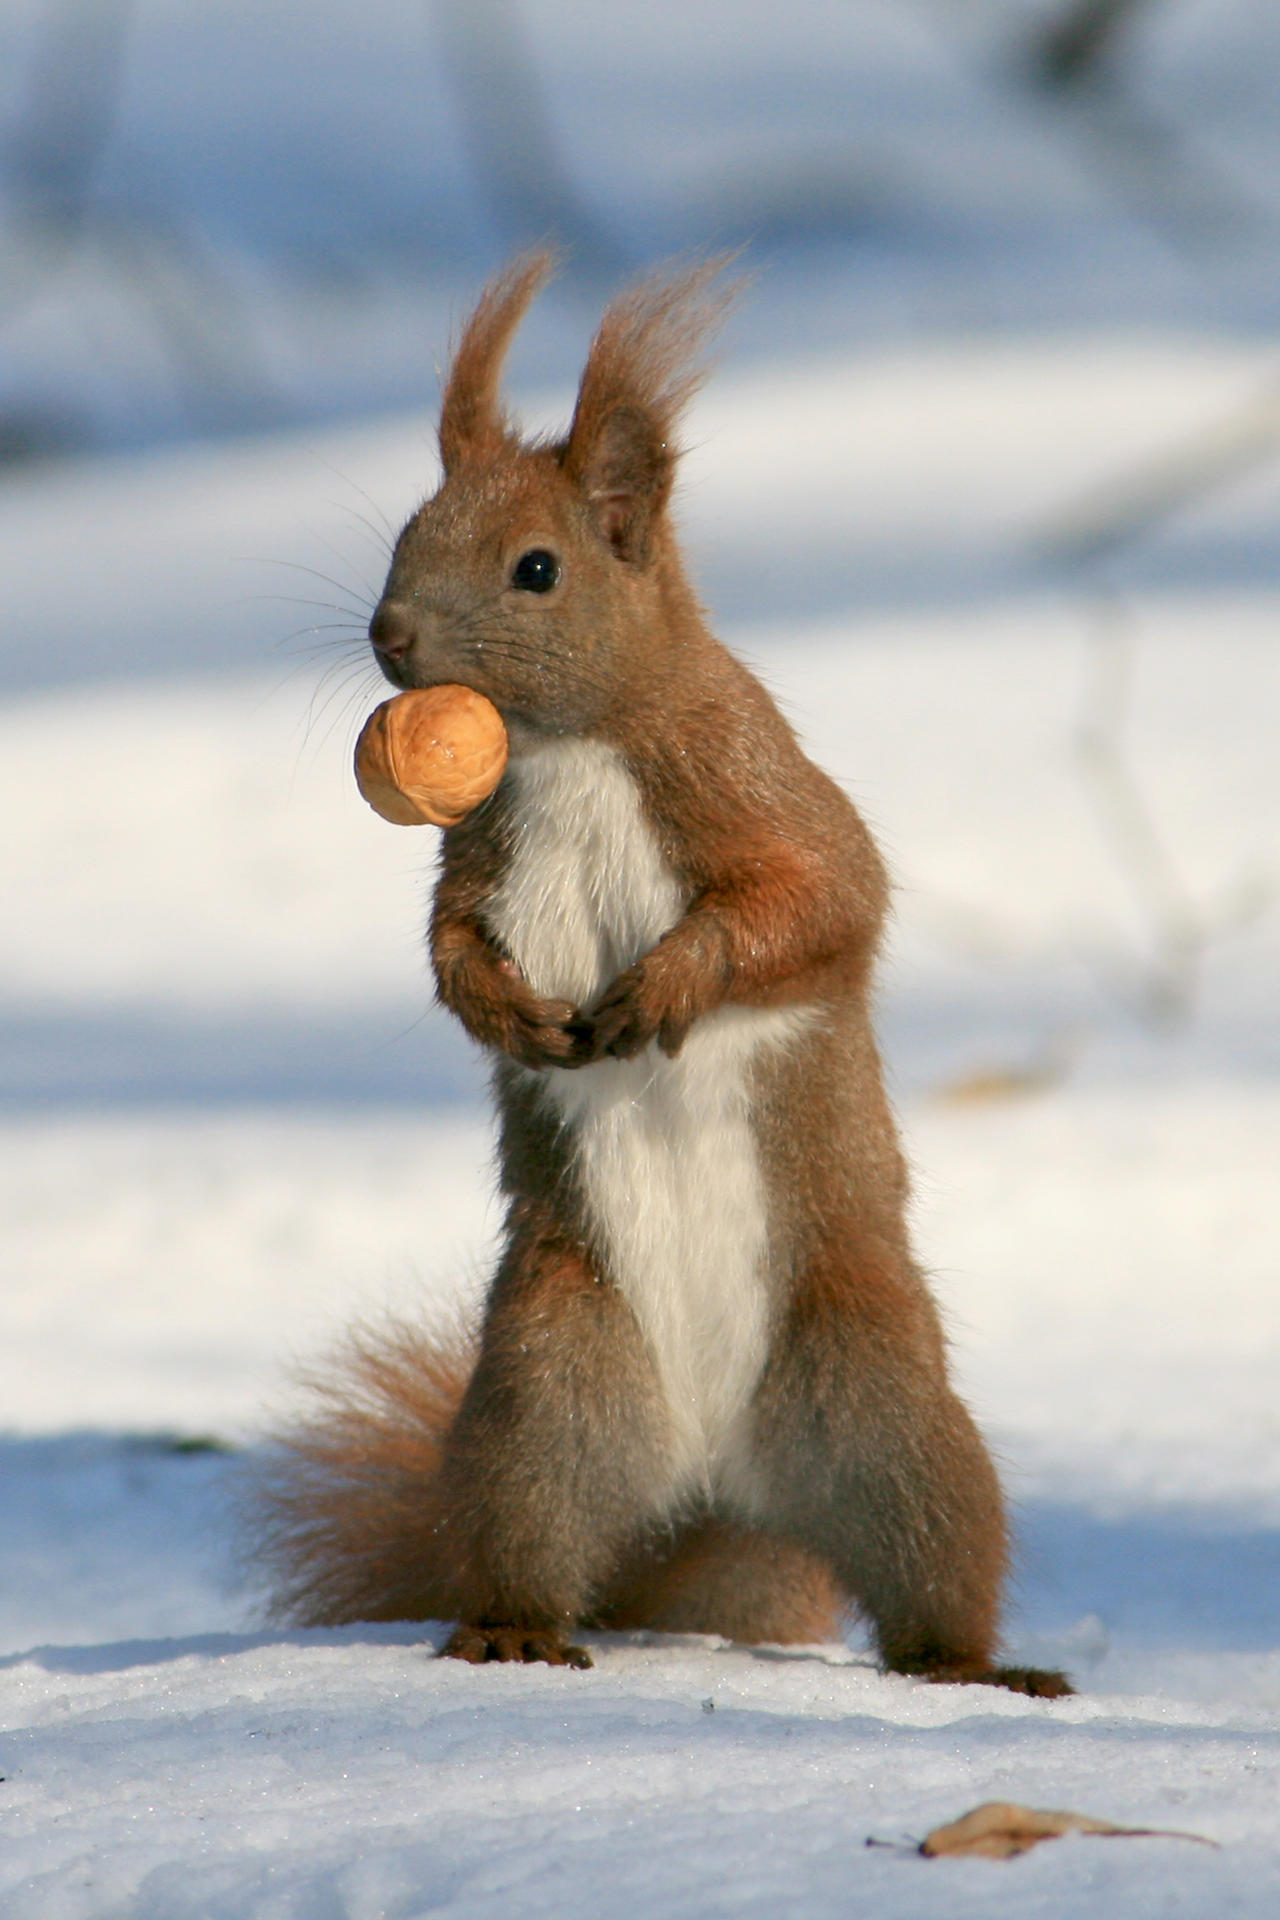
(229, 1122)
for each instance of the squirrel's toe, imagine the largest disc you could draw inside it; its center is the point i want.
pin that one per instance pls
(479, 1645)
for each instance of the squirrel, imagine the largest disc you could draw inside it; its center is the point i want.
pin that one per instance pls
(709, 1391)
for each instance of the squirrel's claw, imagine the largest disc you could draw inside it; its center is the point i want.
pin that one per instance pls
(1042, 1683)
(623, 1021)
(479, 1645)
(553, 1034)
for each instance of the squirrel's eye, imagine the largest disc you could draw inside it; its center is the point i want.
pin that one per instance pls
(536, 572)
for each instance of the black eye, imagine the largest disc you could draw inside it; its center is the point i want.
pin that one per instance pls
(536, 572)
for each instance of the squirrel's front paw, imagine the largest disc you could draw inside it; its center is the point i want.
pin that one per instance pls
(549, 1033)
(632, 1013)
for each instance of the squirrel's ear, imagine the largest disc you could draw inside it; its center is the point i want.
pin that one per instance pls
(642, 369)
(626, 476)
(472, 423)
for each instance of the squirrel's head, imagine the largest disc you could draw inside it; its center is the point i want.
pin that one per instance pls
(544, 575)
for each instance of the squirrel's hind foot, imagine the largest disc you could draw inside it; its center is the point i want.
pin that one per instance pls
(1042, 1683)
(479, 1645)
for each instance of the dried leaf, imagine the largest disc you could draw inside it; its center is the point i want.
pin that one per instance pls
(1000, 1828)
(1010, 1080)
(987, 1085)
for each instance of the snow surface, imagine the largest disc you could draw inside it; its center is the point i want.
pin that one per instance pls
(230, 1122)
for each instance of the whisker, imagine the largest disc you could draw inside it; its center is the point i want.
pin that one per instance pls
(357, 614)
(337, 676)
(306, 661)
(361, 584)
(349, 706)
(297, 566)
(390, 532)
(336, 626)
(317, 649)
(351, 636)
(348, 692)
(352, 691)
(384, 540)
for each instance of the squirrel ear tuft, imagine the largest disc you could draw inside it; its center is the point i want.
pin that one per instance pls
(640, 374)
(472, 423)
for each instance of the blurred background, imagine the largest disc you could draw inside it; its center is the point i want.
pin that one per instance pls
(231, 219)
(986, 486)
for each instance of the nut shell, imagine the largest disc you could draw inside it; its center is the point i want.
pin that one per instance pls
(429, 756)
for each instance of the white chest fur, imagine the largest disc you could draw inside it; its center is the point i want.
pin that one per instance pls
(588, 890)
(664, 1148)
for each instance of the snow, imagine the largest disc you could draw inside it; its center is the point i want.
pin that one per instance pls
(344, 1774)
(230, 1121)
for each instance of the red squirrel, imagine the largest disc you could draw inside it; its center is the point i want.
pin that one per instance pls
(709, 1391)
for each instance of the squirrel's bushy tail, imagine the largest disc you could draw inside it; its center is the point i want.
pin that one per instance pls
(341, 1512)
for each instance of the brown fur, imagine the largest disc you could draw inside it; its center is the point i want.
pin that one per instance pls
(534, 1492)
(715, 1578)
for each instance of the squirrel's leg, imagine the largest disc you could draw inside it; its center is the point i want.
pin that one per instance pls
(869, 1459)
(559, 1455)
(715, 1577)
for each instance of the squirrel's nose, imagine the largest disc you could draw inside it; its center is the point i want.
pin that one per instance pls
(391, 630)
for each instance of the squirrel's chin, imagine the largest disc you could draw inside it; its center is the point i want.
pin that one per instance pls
(527, 736)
